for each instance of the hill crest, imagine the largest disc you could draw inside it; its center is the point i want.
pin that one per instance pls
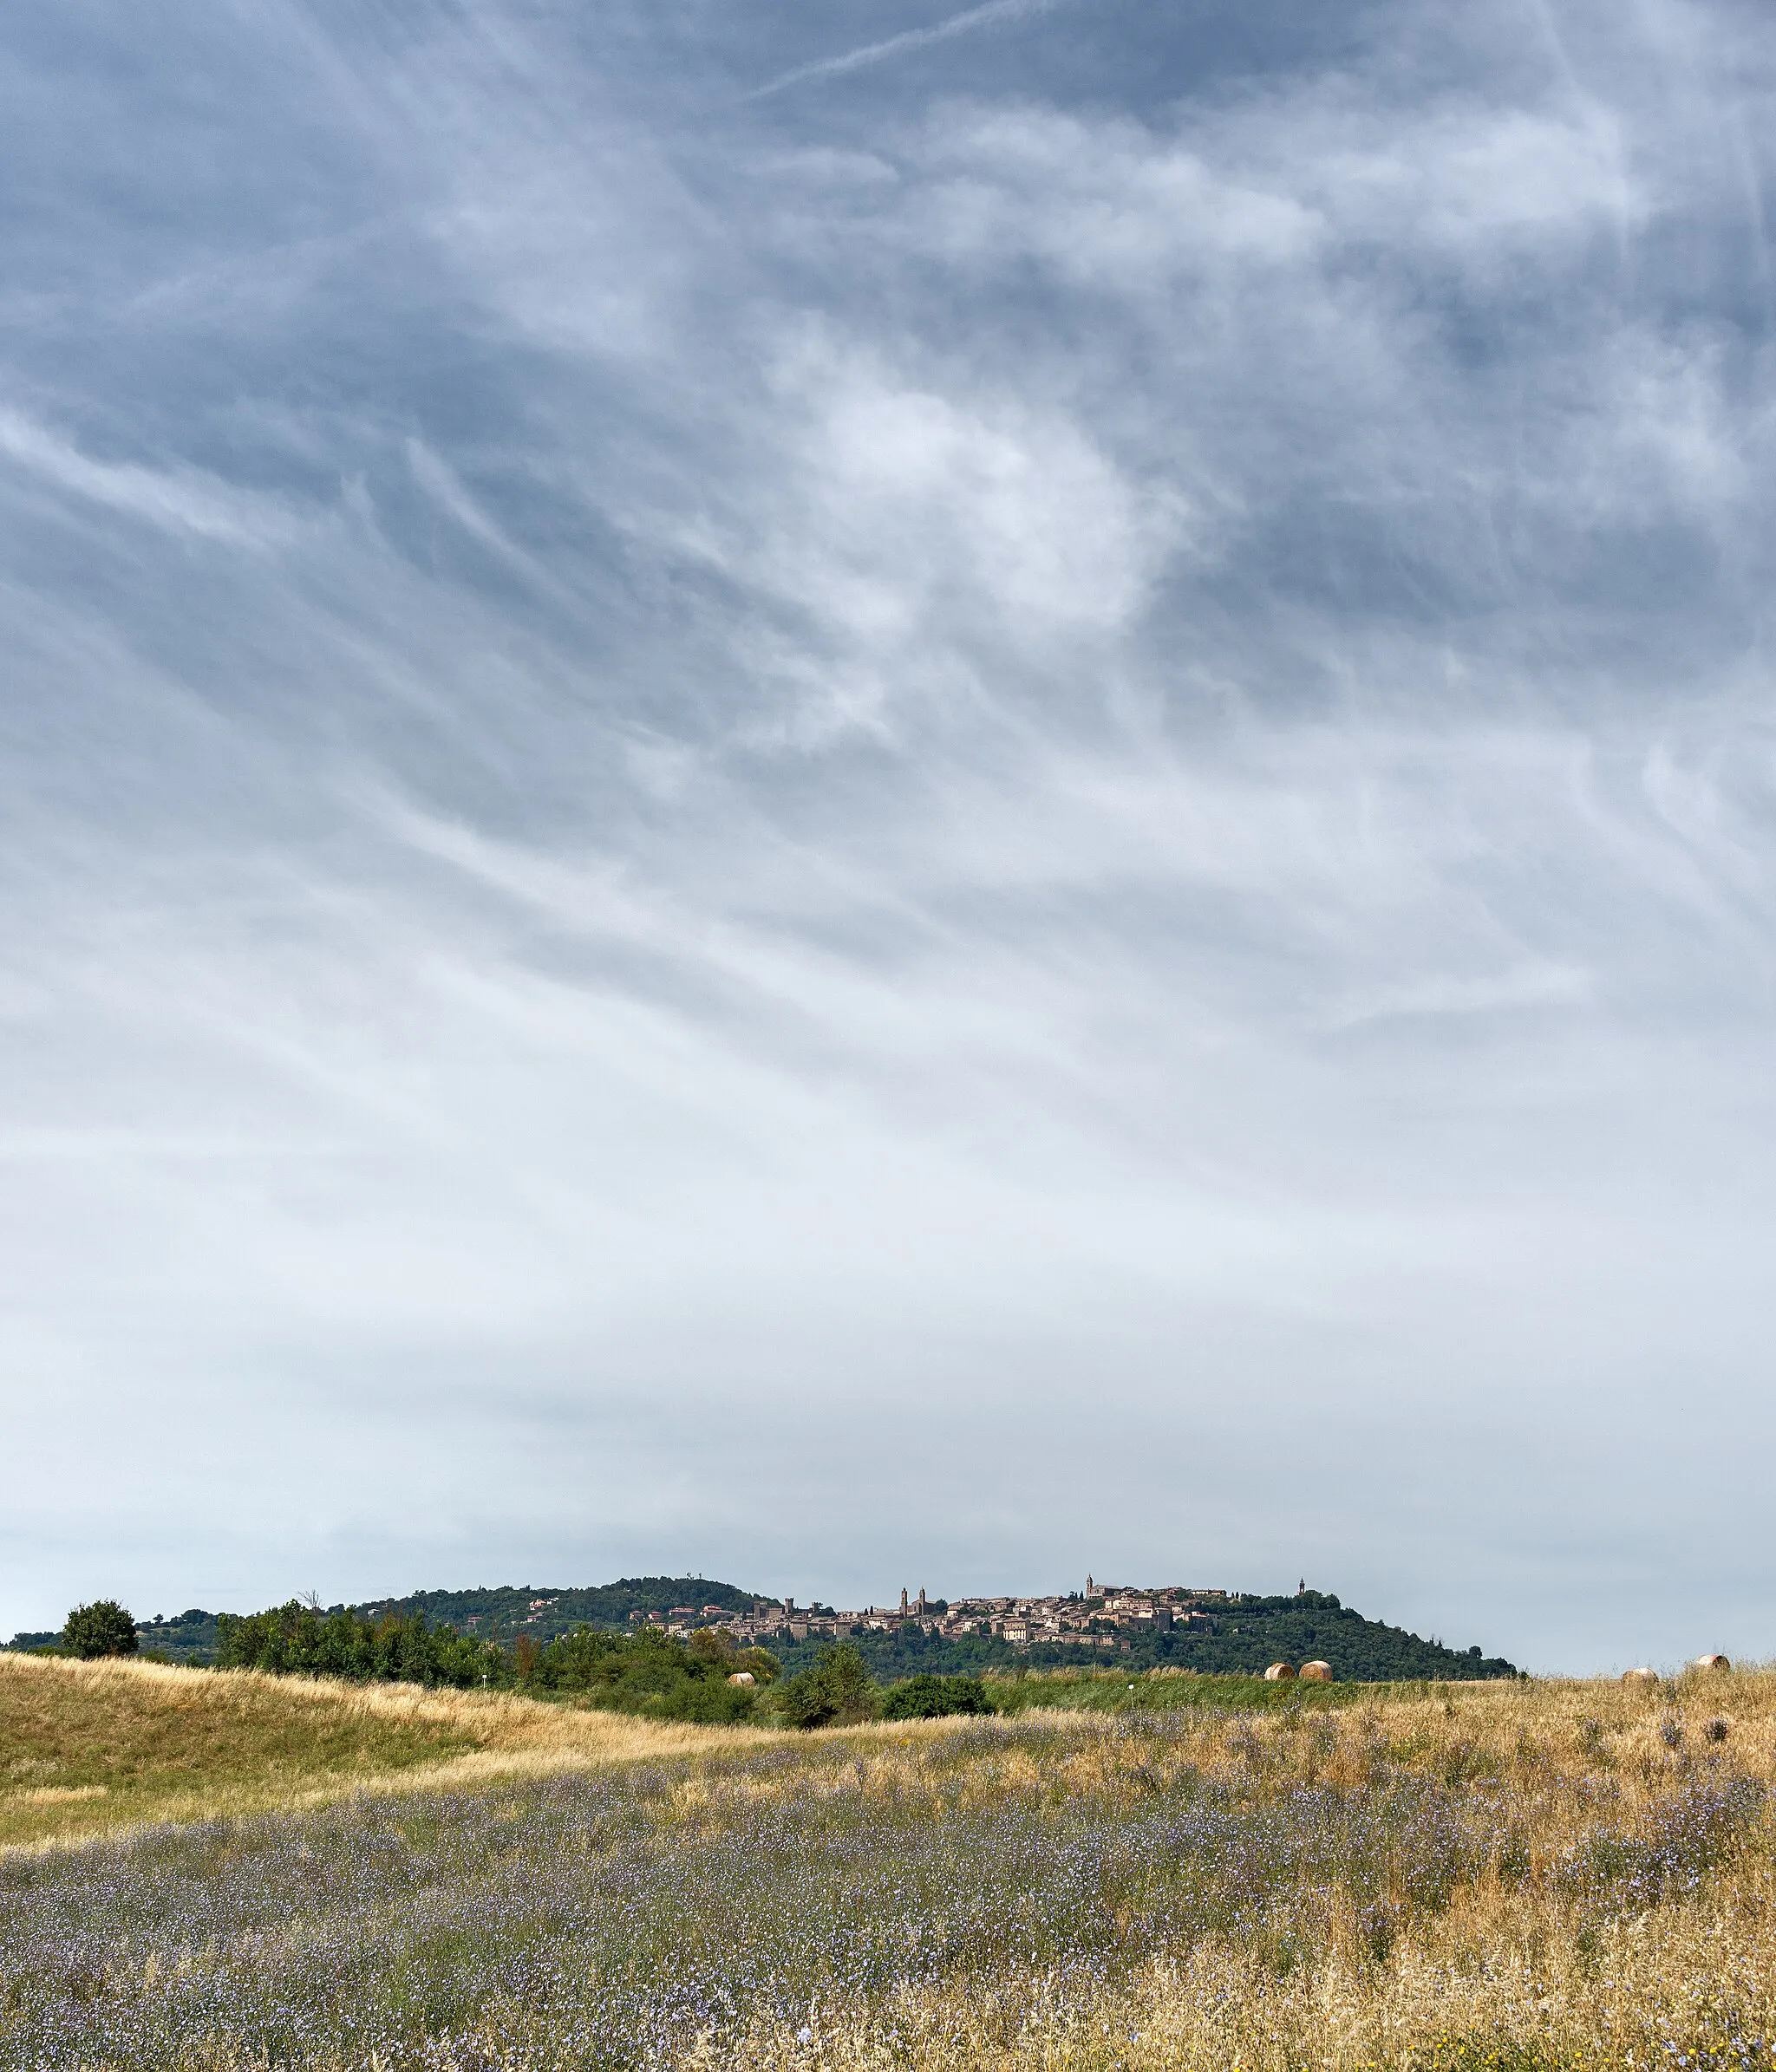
(1212, 1631)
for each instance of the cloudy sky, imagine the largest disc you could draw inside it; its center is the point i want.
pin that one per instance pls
(846, 794)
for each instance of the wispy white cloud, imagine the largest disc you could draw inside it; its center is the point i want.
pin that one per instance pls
(1524, 986)
(1093, 747)
(994, 13)
(179, 499)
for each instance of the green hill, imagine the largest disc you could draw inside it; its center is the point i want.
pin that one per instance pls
(1242, 1637)
(505, 1612)
(501, 1614)
(1250, 1634)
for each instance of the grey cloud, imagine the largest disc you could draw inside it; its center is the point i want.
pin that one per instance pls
(955, 819)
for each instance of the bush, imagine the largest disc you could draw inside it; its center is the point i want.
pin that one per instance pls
(933, 1697)
(104, 1628)
(706, 1703)
(836, 1693)
(651, 1672)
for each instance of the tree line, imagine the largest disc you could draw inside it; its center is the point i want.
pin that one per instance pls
(1241, 1638)
(708, 1678)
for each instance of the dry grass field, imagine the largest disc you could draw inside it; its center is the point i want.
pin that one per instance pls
(89, 1748)
(1531, 1877)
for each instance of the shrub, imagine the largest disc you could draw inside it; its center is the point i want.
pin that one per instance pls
(104, 1628)
(836, 1693)
(935, 1698)
(650, 1672)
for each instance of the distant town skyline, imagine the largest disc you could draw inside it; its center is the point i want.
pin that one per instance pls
(1090, 1618)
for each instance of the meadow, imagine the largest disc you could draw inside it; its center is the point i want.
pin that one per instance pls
(89, 1748)
(1177, 1690)
(1514, 1875)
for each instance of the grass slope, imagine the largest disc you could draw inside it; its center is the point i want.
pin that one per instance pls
(90, 1747)
(1499, 1876)
(1178, 1690)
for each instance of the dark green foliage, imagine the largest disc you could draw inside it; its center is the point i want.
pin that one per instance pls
(103, 1628)
(1244, 1635)
(717, 1645)
(837, 1692)
(188, 1637)
(511, 1611)
(294, 1639)
(504, 1615)
(1241, 1636)
(933, 1697)
(1253, 1632)
(650, 1673)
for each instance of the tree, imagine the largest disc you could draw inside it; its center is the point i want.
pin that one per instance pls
(716, 1647)
(104, 1628)
(836, 1693)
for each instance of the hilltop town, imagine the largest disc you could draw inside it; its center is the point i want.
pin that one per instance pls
(1103, 1615)
(1144, 1625)
(1140, 1626)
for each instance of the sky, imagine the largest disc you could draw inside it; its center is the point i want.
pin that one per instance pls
(857, 795)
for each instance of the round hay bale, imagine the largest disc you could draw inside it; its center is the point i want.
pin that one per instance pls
(1280, 1673)
(742, 1676)
(1317, 1673)
(1640, 1676)
(1711, 1662)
